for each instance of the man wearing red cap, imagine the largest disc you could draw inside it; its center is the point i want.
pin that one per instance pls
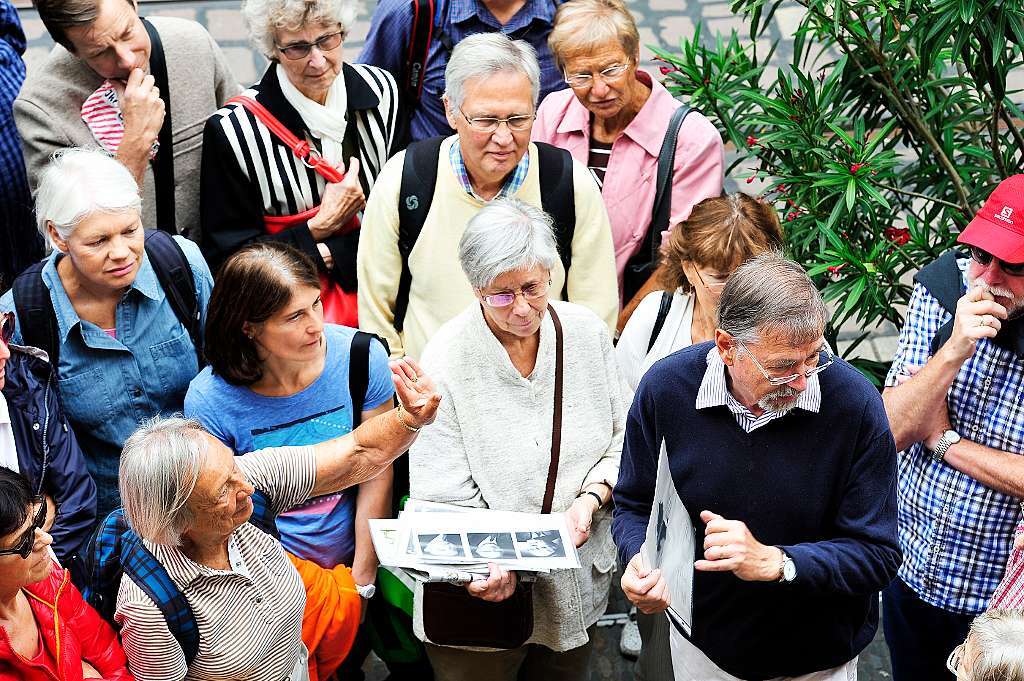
(955, 400)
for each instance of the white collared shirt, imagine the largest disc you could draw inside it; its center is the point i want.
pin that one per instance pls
(714, 392)
(8, 450)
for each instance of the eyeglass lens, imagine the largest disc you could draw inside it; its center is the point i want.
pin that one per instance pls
(23, 547)
(324, 44)
(984, 258)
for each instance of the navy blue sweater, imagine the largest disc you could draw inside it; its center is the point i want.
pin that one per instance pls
(820, 486)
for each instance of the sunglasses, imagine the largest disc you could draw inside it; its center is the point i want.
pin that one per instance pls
(984, 258)
(23, 547)
(6, 327)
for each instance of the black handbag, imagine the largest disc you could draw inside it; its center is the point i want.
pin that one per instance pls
(641, 266)
(452, 617)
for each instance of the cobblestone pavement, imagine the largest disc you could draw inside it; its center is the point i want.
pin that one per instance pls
(662, 23)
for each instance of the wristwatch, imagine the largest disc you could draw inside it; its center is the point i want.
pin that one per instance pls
(366, 590)
(948, 439)
(787, 571)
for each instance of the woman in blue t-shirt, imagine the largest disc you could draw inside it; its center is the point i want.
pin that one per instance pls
(279, 376)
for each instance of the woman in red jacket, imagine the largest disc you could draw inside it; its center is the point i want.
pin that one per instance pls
(47, 632)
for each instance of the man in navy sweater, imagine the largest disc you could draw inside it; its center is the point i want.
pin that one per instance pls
(784, 459)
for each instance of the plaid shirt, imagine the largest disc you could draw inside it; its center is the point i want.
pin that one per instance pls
(956, 533)
(512, 183)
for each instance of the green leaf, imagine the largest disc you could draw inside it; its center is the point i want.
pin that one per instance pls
(851, 194)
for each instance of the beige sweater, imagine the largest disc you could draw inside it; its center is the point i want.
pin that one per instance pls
(491, 445)
(439, 289)
(49, 117)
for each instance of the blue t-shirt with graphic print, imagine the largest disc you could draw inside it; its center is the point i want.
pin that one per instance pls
(323, 528)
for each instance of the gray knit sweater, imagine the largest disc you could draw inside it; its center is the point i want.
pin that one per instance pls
(48, 111)
(491, 444)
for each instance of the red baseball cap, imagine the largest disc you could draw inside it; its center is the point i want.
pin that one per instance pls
(998, 228)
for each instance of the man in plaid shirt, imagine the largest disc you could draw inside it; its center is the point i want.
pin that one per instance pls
(954, 399)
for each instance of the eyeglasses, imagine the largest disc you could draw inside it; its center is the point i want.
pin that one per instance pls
(825, 358)
(528, 292)
(518, 123)
(954, 659)
(984, 258)
(579, 81)
(324, 43)
(6, 327)
(715, 286)
(23, 547)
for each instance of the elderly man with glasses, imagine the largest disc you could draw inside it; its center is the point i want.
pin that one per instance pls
(408, 262)
(784, 459)
(953, 396)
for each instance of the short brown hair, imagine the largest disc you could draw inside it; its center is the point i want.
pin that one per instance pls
(583, 25)
(722, 232)
(60, 15)
(252, 286)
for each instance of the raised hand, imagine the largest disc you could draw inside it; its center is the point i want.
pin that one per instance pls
(341, 201)
(415, 391)
(730, 547)
(143, 113)
(977, 316)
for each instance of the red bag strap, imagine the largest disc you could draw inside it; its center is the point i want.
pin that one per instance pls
(309, 156)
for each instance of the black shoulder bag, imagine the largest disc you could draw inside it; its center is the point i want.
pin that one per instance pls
(451, 617)
(163, 164)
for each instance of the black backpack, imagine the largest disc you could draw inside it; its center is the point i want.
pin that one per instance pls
(39, 322)
(116, 550)
(419, 176)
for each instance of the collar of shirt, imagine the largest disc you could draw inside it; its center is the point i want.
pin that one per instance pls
(463, 11)
(647, 128)
(183, 570)
(5, 414)
(145, 283)
(512, 183)
(714, 391)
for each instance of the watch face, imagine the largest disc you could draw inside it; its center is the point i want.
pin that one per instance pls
(789, 571)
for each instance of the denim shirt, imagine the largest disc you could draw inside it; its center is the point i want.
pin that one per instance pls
(110, 385)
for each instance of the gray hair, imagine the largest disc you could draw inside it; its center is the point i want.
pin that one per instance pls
(265, 17)
(160, 465)
(484, 54)
(769, 295)
(80, 182)
(999, 644)
(506, 235)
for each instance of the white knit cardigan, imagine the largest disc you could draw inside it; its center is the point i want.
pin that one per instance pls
(491, 445)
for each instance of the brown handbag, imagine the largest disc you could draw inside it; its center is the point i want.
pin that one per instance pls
(451, 617)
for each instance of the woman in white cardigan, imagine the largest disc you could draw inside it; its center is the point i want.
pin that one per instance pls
(490, 446)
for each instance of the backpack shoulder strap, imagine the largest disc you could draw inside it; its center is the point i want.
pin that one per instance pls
(419, 50)
(163, 164)
(944, 281)
(262, 515)
(558, 199)
(359, 374)
(659, 322)
(662, 209)
(419, 176)
(36, 317)
(175, 276)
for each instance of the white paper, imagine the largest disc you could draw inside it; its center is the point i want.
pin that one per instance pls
(671, 545)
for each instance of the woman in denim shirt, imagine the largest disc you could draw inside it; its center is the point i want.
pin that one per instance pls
(124, 356)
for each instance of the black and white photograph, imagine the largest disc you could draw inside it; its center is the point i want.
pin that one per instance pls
(545, 544)
(442, 545)
(492, 545)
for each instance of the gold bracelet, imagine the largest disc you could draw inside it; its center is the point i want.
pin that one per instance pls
(398, 413)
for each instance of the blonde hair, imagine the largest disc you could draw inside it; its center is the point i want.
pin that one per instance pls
(582, 26)
(722, 232)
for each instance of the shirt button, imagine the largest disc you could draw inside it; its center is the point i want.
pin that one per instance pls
(136, 392)
(35, 426)
(259, 599)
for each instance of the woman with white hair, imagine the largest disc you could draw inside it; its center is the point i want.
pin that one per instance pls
(512, 369)
(993, 650)
(293, 157)
(98, 305)
(190, 499)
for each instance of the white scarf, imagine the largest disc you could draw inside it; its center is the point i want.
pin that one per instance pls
(326, 122)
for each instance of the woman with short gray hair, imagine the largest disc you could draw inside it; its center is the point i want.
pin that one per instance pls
(993, 650)
(120, 349)
(331, 124)
(190, 500)
(504, 350)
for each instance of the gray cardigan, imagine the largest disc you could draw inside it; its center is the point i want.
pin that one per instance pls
(48, 111)
(491, 444)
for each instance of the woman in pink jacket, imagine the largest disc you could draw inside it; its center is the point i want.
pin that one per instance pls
(47, 632)
(613, 117)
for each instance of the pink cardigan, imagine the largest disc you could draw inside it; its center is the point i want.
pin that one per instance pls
(629, 181)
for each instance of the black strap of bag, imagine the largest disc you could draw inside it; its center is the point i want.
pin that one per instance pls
(163, 164)
(659, 322)
(451, 617)
(640, 267)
